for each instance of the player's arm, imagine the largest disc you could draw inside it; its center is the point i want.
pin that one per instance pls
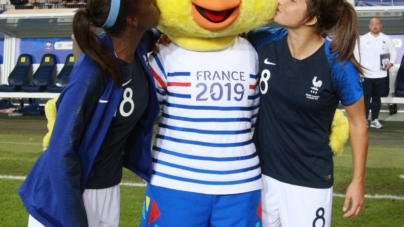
(347, 83)
(64, 164)
(256, 103)
(151, 37)
(160, 77)
(265, 35)
(256, 98)
(359, 142)
(393, 55)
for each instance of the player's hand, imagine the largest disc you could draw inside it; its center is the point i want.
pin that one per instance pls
(355, 196)
(244, 35)
(162, 40)
(388, 66)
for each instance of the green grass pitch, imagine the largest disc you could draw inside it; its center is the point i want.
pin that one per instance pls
(20, 145)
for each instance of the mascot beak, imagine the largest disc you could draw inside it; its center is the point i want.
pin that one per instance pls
(215, 15)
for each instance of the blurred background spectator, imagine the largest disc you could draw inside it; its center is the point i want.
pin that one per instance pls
(18, 2)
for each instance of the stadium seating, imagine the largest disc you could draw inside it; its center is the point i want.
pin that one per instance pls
(398, 2)
(43, 75)
(374, 3)
(63, 77)
(399, 91)
(19, 76)
(379, 2)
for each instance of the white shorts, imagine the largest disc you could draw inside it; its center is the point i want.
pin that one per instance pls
(102, 208)
(289, 205)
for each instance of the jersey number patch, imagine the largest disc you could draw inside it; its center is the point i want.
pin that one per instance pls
(319, 221)
(127, 99)
(265, 75)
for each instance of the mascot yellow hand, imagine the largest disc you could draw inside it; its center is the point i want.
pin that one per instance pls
(50, 112)
(339, 133)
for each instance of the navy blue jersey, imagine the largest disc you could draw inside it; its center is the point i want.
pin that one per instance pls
(107, 168)
(298, 102)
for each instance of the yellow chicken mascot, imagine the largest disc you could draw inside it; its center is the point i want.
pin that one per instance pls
(206, 170)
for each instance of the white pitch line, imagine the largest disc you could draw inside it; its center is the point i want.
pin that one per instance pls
(12, 177)
(402, 176)
(375, 196)
(19, 159)
(23, 178)
(19, 143)
(144, 185)
(133, 184)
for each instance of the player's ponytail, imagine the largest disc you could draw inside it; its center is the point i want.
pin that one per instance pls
(85, 22)
(346, 36)
(340, 16)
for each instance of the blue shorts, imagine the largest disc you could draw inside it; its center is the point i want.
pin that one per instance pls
(165, 207)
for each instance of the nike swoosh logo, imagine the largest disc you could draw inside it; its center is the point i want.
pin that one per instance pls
(123, 85)
(268, 62)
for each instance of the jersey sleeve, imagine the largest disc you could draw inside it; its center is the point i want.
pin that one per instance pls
(346, 80)
(265, 35)
(73, 114)
(160, 76)
(150, 37)
(256, 99)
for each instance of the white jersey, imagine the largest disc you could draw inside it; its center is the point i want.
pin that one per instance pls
(209, 103)
(370, 54)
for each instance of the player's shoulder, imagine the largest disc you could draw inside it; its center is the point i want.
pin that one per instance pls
(266, 35)
(85, 69)
(336, 65)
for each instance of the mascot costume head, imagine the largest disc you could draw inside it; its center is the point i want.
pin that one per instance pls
(206, 25)
(213, 25)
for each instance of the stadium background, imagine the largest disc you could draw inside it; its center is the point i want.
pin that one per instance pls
(39, 29)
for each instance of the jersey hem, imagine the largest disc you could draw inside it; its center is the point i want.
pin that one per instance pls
(319, 185)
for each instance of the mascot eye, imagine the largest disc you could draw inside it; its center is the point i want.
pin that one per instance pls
(214, 16)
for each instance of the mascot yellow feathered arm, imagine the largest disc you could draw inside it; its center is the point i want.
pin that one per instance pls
(50, 112)
(339, 133)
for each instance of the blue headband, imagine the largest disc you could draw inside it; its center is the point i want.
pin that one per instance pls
(113, 14)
